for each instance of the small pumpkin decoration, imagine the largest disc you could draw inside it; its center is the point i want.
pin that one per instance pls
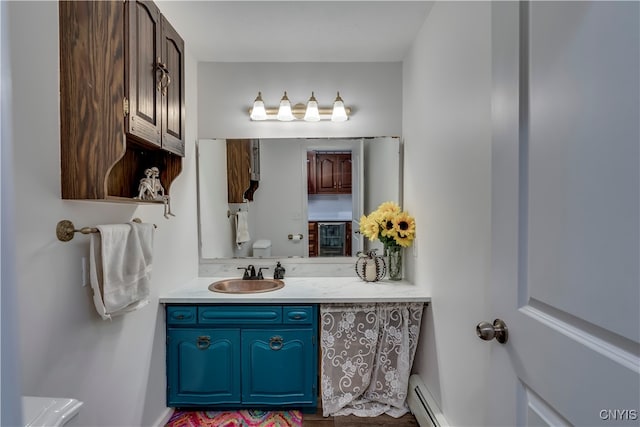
(370, 267)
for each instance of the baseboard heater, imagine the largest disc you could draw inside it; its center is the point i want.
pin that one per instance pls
(423, 406)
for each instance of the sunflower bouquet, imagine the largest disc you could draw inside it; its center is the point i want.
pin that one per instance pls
(395, 229)
(390, 225)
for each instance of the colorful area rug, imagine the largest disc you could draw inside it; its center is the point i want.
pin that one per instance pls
(243, 418)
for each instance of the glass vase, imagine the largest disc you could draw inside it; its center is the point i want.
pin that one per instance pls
(394, 262)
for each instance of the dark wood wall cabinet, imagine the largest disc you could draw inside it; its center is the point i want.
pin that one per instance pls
(243, 169)
(330, 173)
(121, 98)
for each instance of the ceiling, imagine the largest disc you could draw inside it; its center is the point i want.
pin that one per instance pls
(297, 31)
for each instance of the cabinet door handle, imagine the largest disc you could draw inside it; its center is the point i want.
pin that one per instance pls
(203, 342)
(275, 343)
(161, 85)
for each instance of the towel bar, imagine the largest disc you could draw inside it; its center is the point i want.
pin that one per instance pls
(230, 214)
(65, 230)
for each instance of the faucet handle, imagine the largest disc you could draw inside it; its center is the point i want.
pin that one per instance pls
(245, 276)
(260, 276)
(252, 271)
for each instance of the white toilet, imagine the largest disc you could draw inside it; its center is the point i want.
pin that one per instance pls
(262, 248)
(49, 411)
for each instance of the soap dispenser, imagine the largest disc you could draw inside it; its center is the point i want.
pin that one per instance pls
(278, 272)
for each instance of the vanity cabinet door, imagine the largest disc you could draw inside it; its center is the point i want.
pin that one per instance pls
(203, 366)
(278, 367)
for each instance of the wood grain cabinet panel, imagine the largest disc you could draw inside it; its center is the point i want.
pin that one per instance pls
(333, 173)
(143, 33)
(111, 102)
(173, 94)
(243, 169)
(313, 238)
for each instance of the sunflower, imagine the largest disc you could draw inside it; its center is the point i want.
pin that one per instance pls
(389, 207)
(404, 226)
(390, 225)
(369, 227)
(386, 224)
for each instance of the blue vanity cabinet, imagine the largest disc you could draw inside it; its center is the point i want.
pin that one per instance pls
(233, 356)
(203, 366)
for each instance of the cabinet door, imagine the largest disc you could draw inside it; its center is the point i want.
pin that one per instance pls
(326, 173)
(344, 173)
(333, 173)
(143, 55)
(279, 366)
(203, 366)
(172, 90)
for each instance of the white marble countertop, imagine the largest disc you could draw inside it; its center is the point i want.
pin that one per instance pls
(303, 290)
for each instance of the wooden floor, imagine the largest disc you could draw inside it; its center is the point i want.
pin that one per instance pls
(317, 420)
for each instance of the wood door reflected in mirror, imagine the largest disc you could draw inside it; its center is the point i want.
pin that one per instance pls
(302, 183)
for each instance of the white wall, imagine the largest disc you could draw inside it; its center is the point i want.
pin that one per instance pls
(447, 186)
(227, 90)
(117, 368)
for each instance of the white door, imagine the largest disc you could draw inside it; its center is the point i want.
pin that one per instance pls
(357, 196)
(566, 220)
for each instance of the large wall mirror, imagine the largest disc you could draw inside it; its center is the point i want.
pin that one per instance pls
(309, 200)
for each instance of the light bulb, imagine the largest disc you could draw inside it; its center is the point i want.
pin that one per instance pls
(312, 114)
(284, 112)
(339, 113)
(258, 111)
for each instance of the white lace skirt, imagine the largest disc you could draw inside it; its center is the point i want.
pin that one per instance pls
(367, 354)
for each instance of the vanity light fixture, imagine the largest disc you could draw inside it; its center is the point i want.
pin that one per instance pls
(310, 112)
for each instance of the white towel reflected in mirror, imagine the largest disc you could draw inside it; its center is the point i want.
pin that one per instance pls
(242, 228)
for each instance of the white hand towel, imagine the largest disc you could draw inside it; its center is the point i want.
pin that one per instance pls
(242, 227)
(120, 267)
